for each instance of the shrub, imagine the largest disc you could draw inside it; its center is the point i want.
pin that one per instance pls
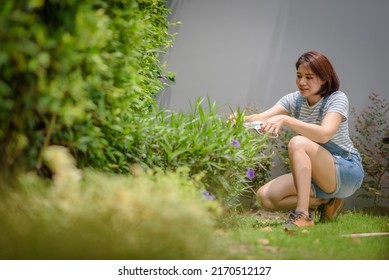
(371, 127)
(70, 73)
(154, 215)
(218, 152)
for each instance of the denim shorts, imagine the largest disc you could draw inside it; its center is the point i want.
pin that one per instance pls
(349, 177)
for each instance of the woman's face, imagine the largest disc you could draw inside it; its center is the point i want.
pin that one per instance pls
(307, 82)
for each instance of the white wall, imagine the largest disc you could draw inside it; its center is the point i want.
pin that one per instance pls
(244, 51)
(241, 52)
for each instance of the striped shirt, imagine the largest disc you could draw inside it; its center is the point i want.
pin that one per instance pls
(337, 102)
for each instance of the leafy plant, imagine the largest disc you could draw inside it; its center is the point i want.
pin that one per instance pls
(372, 126)
(278, 147)
(91, 215)
(218, 152)
(71, 72)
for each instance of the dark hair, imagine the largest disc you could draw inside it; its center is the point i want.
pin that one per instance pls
(322, 67)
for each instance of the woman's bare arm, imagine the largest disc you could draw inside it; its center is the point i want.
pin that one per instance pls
(273, 111)
(318, 133)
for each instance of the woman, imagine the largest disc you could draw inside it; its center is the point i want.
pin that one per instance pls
(325, 165)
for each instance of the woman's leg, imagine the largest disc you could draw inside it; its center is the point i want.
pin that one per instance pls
(280, 194)
(307, 159)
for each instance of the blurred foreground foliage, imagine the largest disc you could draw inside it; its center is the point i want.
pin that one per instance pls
(93, 215)
(72, 72)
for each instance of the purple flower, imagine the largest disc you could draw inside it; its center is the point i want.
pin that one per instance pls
(250, 173)
(236, 143)
(162, 79)
(208, 195)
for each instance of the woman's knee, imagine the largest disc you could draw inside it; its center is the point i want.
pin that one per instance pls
(297, 144)
(263, 198)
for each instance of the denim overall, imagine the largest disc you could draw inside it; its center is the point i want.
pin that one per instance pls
(348, 166)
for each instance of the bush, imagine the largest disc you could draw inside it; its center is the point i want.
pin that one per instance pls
(72, 71)
(154, 215)
(220, 153)
(372, 126)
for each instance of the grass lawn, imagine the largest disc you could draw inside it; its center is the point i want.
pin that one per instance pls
(256, 237)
